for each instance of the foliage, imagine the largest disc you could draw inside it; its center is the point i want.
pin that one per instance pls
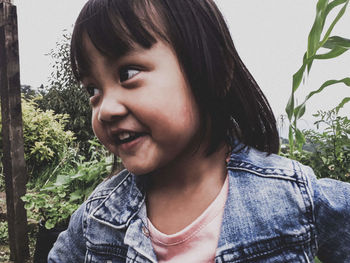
(62, 195)
(302, 156)
(3, 232)
(329, 147)
(28, 92)
(65, 96)
(44, 135)
(336, 45)
(331, 156)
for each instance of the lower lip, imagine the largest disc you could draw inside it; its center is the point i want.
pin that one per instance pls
(131, 146)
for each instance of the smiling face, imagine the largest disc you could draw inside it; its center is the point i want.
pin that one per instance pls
(142, 107)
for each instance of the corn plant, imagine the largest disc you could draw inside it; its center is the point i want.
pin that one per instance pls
(336, 46)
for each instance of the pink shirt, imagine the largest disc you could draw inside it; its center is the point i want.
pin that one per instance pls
(198, 241)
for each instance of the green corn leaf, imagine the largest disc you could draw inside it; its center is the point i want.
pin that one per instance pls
(335, 52)
(335, 21)
(337, 41)
(316, 30)
(334, 4)
(291, 139)
(346, 81)
(290, 107)
(342, 103)
(297, 77)
(300, 138)
(299, 111)
(326, 84)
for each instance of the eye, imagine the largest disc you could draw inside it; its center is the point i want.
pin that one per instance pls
(92, 90)
(127, 73)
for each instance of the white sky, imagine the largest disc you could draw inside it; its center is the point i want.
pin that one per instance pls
(270, 36)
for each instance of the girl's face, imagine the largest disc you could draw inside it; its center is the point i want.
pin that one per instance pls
(142, 107)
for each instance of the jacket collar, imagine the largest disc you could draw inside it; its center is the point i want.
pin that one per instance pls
(122, 203)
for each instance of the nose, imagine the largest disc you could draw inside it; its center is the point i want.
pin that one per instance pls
(111, 108)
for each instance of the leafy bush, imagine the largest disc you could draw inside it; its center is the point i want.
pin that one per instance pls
(65, 96)
(3, 232)
(328, 147)
(302, 156)
(62, 195)
(331, 144)
(45, 137)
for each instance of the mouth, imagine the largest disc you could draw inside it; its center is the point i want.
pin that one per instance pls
(126, 137)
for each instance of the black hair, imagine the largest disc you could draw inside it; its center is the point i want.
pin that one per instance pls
(232, 106)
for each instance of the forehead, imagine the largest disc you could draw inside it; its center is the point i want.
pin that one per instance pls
(135, 55)
(114, 28)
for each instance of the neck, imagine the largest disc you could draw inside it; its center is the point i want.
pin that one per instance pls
(179, 193)
(191, 170)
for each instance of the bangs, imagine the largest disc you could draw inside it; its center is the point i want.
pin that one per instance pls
(114, 27)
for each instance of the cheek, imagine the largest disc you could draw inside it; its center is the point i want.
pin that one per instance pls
(94, 121)
(97, 128)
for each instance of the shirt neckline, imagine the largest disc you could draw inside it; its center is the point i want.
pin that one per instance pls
(208, 215)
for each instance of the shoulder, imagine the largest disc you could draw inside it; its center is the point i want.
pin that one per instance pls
(269, 202)
(288, 193)
(270, 182)
(266, 165)
(273, 190)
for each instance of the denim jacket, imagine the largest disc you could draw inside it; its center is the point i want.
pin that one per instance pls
(276, 211)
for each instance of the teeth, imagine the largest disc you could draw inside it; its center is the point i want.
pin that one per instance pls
(125, 135)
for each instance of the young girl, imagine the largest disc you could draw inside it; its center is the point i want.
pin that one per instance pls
(171, 97)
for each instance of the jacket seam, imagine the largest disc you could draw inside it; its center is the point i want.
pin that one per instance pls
(110, 193)
(276, 176)
(300, 243)
(308, 205)
(312, 207)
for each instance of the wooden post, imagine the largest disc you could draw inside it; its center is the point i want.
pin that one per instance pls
(12, 133)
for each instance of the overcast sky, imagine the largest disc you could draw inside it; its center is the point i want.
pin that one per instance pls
(270, 36)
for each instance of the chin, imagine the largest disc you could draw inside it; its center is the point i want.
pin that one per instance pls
(137, 169)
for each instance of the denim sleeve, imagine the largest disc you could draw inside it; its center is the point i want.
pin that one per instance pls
(332, 217)
(70, 245)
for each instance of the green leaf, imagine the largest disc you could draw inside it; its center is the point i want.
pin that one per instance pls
(49, 224)
(335, 21)
(298, 76)
(328, 83)
(61, 194)
(337, 41)
(299, 137)
(291, 139)
(324, 159)
(342, 103)
(290, 107)
(334, 4)
(77, 175)
(76, 195)
(316, 30)
(335, 52)
(62, 180)
(299, 111)
(29, 205)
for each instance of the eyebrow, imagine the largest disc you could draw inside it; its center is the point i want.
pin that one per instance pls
(85, 72)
